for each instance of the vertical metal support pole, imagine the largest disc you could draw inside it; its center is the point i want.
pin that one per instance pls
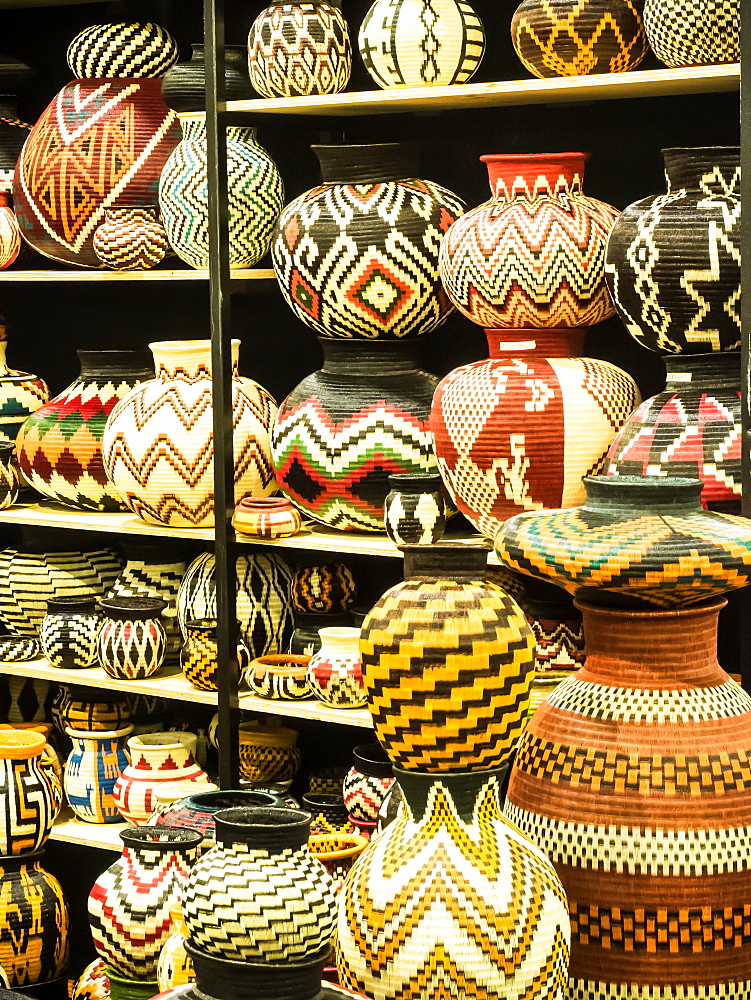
(745, 611)
(221, 369)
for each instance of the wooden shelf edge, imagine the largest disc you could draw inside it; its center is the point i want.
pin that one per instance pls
(238, 275)
(70, 830)
(595, 87)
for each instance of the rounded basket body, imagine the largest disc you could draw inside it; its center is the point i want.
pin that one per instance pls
(282, 677)
(259, 895)
(329, 588)
(10, 234)
(421, 43)
(93, 983)
(256, 196)
(268, 753)
(131, 643)
(335, 671)
(129, 904)
(130, 237)
(692, 428)
(21, 393)
(367, 782)
(576, 37)
(266, 517)
(414, 511)
(442, 652)
(31, 576)
(59, 446)
(263, 599)
(495, 464)
(534, 255)
(631, 778)
(376, 228)
(30, 793)
(661, 245)
(132, 49)
(34, 923)
(91, 770)
(345, 429)
(681, 33)
(155, 760)
(119, 133)
(91, 711)
(158, 442)
(627, 545)
(299, 49)
(175, 968)
(198, 658)
(459, 894)
(68, 632)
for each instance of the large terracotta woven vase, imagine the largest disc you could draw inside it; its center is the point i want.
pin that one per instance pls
(421, 43)
(520, 430)
(103, 139)
(576, 37)
(59, 446)
(447, 661)
(158, 443)
(452, 901)
(692, 428)
(673, 260)
(634, 779)
(534, 255)
(345, 429)
(357, 256)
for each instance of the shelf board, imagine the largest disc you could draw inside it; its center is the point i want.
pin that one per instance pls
(70, 830)
(595, 87)
(85, 274)
(169, 682)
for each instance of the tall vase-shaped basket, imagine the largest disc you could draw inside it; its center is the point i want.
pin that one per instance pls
(129, 904)
(103, 139)
(345, 429)
(30, 793)
(59, 446)
(93, 766)
(158, 442)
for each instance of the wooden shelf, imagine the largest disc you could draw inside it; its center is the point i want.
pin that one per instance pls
(169, 682)
(240, 275)
(595, 87)
(70, 830)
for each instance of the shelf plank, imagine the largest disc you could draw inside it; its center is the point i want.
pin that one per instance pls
(170, 682)
(70, 830)
(594, 87)
(86, 274)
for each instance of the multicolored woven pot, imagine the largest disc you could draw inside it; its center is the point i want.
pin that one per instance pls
(328, 588)
(692, 428)
(33, 922)
(30, 793)
(451, 892)
(520, 430)
(633, 777)
(68, 634)
(156, 759)
(60, 445)
(10, 234)
(35, 572)
(91, 770)
(637, 541)
(685, 33)
(93, 983)
(447, 662)
(20, 394)
(131, 642)
(256, 196)
(576, 37)
(175, 968)
(88, 709)
(534, 255)
(337, 853)
(129, 904)
(196, 811)
(130, 237)
(368, 782)
(299, 49)
(131, 49)
(421, 43)
(345, 429)
(661, 247)
(264, 609)
(278, 903)
(414, 511)
(335, 672)
(99, 142)
(158, 444)
(357, 257)
(266, 517)
(198, 658)
(328, 811)
(280, 676)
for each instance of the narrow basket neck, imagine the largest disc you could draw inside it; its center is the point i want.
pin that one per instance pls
(463, 791)
(535, 175)
(115, 366)
(220, 979)
(367, 164)
(263, 828)
(194, 130)
(558, 342)
(642, 494)
(721, 370)
(446, 561)
(369, 358)
(186, 359)
(695, 168)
